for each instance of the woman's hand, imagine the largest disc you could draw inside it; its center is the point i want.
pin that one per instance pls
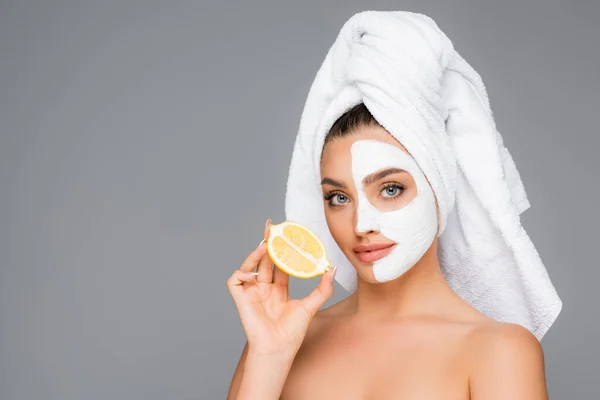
(273, 322)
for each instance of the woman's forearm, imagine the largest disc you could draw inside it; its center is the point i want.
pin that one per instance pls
(264, 376)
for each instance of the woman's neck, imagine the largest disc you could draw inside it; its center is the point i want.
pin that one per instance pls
(422, 290)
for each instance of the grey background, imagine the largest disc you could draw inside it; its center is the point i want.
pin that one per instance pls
(143, 145)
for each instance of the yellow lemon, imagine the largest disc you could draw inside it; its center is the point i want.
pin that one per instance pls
(297, 250)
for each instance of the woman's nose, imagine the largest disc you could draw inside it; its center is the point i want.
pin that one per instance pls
(366, 233)
(367, 220)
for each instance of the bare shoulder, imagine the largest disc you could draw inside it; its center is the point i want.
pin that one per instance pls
(505, 342)
(506, 361)
(488, 340)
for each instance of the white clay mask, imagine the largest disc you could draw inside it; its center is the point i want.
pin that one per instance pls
(413, 226)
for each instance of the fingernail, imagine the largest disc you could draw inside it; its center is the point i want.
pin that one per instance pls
(267, 223)
(333, 272)
(261, 242)
(253, 273)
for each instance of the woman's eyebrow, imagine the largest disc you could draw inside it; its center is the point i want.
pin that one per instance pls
(381, 174)
(368, 179)
(333, 183)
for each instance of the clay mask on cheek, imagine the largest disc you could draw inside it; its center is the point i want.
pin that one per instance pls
(413, 227)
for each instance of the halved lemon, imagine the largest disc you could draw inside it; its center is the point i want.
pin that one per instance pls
(297, 250)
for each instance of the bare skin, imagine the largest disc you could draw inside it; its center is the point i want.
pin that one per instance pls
(444, 349)
(409, 338)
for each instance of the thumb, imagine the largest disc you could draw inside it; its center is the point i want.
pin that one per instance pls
(321, 294)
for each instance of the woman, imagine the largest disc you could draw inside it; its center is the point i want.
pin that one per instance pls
(413, 326)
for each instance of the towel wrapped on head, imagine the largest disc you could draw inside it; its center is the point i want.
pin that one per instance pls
(416, 85)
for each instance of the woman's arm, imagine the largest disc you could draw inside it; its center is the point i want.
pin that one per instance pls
(259, 376)
(274, 323)
(264, 376)
(234, 387)
(508, 364)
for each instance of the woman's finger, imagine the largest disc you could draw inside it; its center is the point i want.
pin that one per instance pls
(238, 278)
(235, 284)
(321, 294)
(280, 277)
(265, 271)
(251, 261)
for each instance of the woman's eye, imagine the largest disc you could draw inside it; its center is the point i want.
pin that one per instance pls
(392, 191)
(339, 196)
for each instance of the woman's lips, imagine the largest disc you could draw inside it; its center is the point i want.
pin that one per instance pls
(370, 256)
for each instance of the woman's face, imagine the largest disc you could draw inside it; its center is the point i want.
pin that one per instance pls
(374, 193)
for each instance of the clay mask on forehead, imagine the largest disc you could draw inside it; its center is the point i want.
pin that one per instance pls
(413, 226)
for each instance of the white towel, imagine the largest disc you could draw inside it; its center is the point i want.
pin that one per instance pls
(410, 77)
